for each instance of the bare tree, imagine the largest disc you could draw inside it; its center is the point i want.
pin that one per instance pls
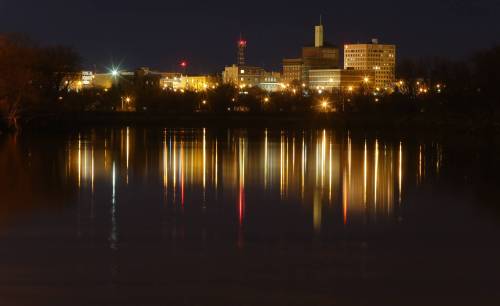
(17, 57)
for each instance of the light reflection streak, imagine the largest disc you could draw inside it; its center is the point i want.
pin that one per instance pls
(282, 163)
(241, 193)
(79, 160)
(323, 157)
(330, 162)
(204, 164)
(182, 171)
(216, 164)
(419, 164)
(127, 144)
(174, 171)
(113, 237)
(365, 173)
(400, 172)
(345, 196)
(375, 175)
(182, 167)
(304, 162)
(165, 164)
(266, 157)
(92, 171)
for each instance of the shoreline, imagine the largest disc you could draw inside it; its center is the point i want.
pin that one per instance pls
(358, 122)
(258, 120)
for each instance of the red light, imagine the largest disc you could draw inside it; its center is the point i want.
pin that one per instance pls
(184, 64)
(242, 43)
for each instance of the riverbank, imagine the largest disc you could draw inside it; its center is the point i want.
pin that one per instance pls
(264, 120)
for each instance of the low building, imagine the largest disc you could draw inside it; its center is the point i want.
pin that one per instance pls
(177, 81)
(170, 80)
(292, 70)
(230, 75)
(244, 76)
(197, 83)
(338, 79)
(271, 82)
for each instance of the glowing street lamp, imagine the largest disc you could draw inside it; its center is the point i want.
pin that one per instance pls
(324, 105)
(114, 72)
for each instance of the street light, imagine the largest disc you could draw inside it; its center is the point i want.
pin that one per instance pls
(324, 105)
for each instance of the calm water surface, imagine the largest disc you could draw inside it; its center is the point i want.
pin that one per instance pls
(152, 216)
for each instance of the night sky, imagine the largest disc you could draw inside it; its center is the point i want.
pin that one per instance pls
(158, 34)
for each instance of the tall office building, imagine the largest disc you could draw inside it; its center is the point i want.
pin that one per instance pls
(321, 55)
(375, 58)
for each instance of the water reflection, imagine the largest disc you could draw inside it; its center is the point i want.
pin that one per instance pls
(332, 178)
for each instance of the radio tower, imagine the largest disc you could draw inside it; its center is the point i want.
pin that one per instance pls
(242, 46)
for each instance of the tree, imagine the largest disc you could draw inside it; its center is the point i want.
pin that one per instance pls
(17, 58)
(56, 68)
(31, 75)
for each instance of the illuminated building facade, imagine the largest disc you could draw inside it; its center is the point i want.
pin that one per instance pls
(292, 70)
(251, 76)
(230, 75)
(338, 79)
(325, 57)
(271, 82)
(170, 80)
(377, 58)
(103, 80)
(197, 83)
(247, 76)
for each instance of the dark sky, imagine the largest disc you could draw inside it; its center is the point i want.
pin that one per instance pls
(158, 33)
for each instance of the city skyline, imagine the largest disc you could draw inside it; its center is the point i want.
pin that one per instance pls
(160, 35)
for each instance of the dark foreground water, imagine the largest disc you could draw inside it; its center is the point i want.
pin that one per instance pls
(151, 216)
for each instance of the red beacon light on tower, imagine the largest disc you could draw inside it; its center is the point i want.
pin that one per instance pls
(183, 64)
(242, 43)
